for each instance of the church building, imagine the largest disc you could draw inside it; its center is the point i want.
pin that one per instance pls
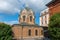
(27, 29)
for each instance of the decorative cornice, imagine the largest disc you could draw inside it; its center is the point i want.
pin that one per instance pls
(29, 25)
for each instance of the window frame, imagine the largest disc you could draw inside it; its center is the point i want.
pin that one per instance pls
(29, 32)
(30, 18)
(36, 32)
(24, 18)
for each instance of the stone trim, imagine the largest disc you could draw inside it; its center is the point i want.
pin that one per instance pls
(29, 37)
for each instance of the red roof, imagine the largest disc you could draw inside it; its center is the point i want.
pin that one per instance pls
(52, 2)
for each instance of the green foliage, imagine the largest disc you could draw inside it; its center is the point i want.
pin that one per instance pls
(54, 27)
(5, 32)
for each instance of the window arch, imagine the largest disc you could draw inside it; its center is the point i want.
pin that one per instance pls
(45, 19)
(42, 20)
(30, 18)
(42, 32)
(24, 18)
(29, 32)
(36, 32)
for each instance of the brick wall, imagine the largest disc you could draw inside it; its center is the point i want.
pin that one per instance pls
(19, 32)
(54, 8)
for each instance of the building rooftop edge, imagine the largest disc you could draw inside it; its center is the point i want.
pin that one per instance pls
(50, 2)
(26, 25)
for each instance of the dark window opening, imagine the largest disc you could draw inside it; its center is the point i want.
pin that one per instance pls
(45, 19)
(29, 32)
(42, 20)
(42, 32)
(30, 18)
(36, 32)
(23, 18)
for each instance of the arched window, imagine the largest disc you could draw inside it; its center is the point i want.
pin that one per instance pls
(30, 18)
(24, 18)
(42, 32)
(42, 20)
(45, 19)
(29, 32)
(36, 32)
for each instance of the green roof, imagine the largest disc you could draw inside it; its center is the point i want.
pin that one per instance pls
(26, 24)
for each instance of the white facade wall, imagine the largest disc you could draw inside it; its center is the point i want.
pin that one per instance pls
(40, 22)
(44, 18)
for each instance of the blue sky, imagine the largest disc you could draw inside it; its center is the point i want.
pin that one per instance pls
(10, 9)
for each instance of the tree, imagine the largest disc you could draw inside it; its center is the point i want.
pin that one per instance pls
(5, 32)
(54, 27)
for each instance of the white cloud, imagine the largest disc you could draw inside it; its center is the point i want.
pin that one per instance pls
(3, 5)
(38, 4)
(12, 22)
(7, 6)
(33, 1)
(15, 5)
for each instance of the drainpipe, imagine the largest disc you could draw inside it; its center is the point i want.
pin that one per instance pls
(22, 33)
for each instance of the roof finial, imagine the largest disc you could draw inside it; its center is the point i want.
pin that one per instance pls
(27, 5)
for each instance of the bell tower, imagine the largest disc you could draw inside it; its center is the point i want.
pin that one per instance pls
(26, 16)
